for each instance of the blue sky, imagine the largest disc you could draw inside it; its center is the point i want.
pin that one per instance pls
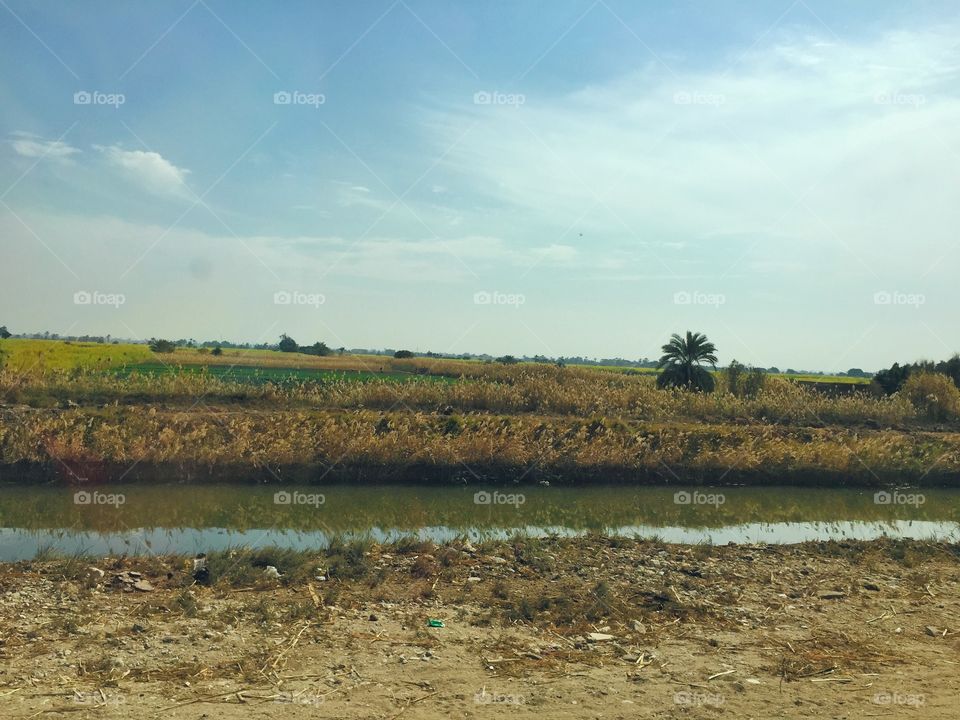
(558, 178)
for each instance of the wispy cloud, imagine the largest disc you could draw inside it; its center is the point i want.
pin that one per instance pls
(149, 169)
(805, 141)
(32, 146)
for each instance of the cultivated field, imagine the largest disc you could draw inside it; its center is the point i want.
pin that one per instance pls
(378, 418)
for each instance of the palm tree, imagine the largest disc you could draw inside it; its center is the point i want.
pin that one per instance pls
(681, 363)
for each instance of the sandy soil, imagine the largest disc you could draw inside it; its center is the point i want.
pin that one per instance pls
(851, 630)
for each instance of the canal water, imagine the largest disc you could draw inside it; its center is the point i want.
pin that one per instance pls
(158, 519)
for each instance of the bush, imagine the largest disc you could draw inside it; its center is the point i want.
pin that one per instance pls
(743, 382)
(162, 346)
(218, 351)
(732, 376)
(403, 354)
(933, 395)
(752, 383)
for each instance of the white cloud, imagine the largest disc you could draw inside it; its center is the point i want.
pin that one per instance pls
(150, 169)
(842, 148)
(32, 146)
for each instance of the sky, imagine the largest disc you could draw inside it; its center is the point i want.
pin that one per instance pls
(557, 178)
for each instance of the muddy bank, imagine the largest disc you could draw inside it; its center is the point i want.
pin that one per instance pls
(558, 628)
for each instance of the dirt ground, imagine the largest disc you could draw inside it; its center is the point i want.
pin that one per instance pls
(585, 628)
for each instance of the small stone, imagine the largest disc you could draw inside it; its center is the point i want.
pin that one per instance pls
(473, 579)
(638, 627)
(373, 618)
(271, 572)
(873, 587)
(599, 637)
(143, 586)
(932, 631)
(831, 595)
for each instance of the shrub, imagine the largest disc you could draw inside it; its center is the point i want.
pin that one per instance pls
(403, 354)
(732, 376)
(162, 346)
(742, 381)
(933, 395)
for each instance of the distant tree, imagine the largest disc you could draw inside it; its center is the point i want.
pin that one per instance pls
(287, 344)
(318, 348)
(4, 333)
(507, 360)
(341, 350)
(403, 354)
(733, 377)
(681, 363)
(218, 351)
(162, 346)
(892, 379)
(856, 372)
(774, 370)
(791, 371)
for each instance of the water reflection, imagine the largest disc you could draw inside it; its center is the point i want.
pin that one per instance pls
(189, 519)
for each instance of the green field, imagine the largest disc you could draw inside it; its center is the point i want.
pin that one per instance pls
(274, 374)
(799, 377)
(26, 355)
(259, 366)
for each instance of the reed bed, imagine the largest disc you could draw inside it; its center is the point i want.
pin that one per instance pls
(537, 389)
(363, 443)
